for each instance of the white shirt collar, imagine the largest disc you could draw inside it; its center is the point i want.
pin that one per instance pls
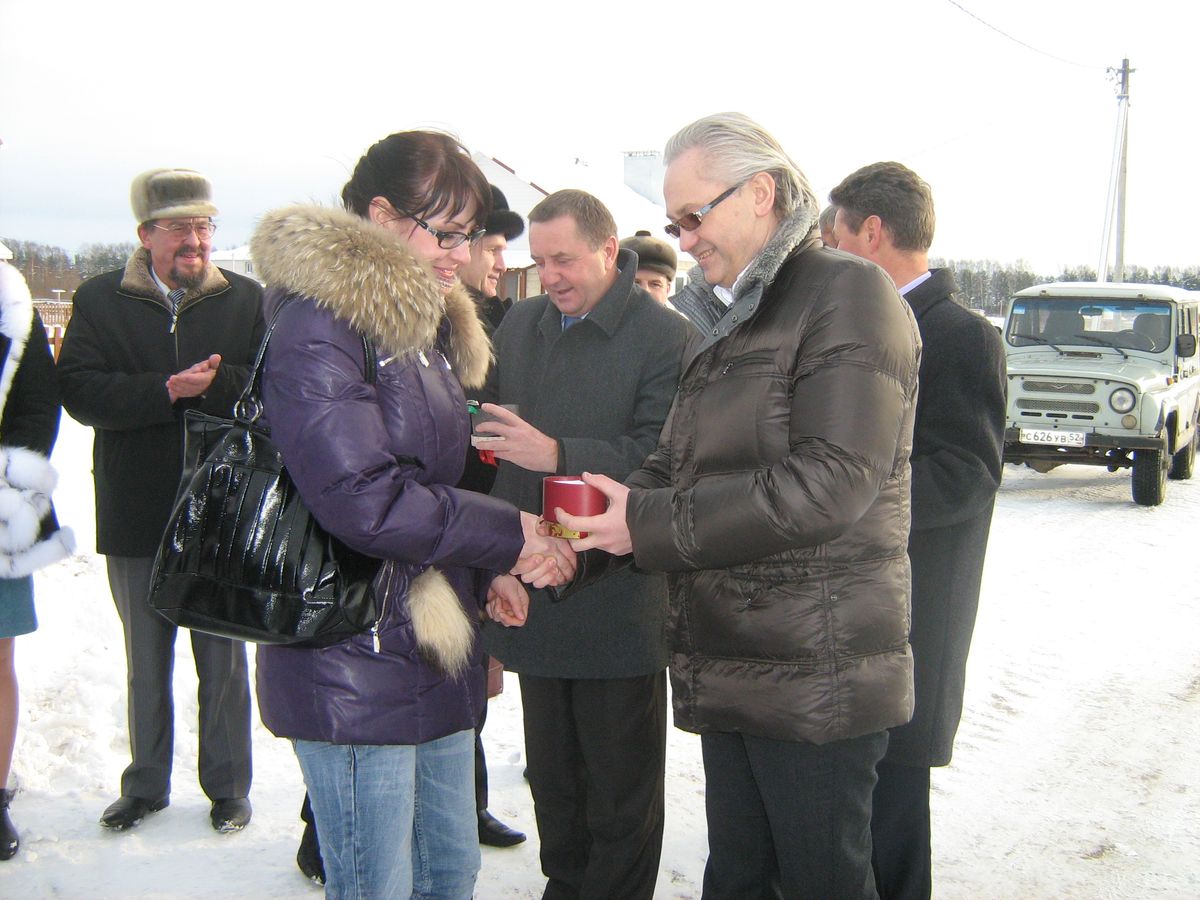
(725, 294)
(162, 285)
(912, 284)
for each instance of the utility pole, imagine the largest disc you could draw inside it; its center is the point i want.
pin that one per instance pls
(1114, 213)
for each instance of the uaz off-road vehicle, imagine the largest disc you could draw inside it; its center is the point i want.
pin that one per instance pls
(1104, 374)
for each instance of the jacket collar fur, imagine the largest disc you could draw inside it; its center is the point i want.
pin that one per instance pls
(361, 273)
(138, 281)
(698, 301)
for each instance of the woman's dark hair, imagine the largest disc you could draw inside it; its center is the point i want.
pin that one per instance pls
(421, 173)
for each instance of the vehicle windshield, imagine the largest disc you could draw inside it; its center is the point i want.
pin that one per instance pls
(1058, 321)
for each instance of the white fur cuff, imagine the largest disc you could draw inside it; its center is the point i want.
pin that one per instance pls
(27, 469)
(21, 515)
(58, 546)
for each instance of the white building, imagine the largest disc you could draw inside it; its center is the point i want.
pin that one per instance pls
(237, 260)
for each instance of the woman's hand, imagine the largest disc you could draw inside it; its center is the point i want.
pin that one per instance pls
(607, 531)
(544, 560)
(507, 601)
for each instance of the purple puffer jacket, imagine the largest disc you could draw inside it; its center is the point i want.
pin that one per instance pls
(375, 464)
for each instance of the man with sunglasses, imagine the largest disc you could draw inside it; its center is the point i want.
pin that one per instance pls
(777, 502)
(168, 333)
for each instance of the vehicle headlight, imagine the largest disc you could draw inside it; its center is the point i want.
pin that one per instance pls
(1122, 400)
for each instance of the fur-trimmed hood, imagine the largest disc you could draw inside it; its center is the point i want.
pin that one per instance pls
(361, 273)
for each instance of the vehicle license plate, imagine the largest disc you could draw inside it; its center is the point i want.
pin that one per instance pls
(1055, 438)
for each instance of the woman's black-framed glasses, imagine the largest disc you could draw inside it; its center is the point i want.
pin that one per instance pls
(691, 221)
(447, 240)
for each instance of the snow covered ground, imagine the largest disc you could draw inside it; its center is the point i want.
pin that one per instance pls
(1077, 770)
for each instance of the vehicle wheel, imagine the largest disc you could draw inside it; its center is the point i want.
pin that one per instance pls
(1149, 477)
(1183, 463)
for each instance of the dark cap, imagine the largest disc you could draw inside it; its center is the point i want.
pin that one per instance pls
(502, 220)
(653, 254)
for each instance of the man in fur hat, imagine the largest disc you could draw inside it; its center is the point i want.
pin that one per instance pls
(168, 333)
(657, 264)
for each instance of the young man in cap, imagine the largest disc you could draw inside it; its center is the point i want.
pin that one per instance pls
(482, 275)
(167, 333)
(481, 278)
(657, 264)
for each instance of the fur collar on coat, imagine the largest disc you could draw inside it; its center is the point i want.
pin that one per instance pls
(361, 273)
(29, 536)
(137, 280)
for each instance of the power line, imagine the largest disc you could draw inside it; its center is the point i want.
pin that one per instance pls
(1018, 40)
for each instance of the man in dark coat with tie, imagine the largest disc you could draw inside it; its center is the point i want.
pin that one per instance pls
(885, 214)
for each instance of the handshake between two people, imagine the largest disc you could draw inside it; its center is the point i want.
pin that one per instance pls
(547, 560)
(544, 561)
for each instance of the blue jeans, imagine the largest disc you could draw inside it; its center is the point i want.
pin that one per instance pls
(395, 821)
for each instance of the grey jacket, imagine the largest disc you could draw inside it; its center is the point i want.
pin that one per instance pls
(602, 388)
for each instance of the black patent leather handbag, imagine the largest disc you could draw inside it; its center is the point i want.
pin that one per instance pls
(242, 557)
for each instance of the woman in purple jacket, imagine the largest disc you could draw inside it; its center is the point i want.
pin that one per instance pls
(383, 725)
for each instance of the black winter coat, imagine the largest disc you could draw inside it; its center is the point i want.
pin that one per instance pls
(778, 499)
(958, 442)
(120, 347)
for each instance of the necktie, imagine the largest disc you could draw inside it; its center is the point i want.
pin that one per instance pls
(173, 297)
(568, 321)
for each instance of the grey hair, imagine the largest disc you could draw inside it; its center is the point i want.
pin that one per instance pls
(737, 148)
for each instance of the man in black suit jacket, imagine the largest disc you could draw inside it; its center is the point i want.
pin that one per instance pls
(885, 214)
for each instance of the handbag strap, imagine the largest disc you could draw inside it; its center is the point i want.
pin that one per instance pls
(248, 407)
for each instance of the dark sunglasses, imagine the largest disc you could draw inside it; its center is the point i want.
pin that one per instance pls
(691, 221)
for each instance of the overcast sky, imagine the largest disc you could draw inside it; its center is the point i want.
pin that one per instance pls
(276, 101)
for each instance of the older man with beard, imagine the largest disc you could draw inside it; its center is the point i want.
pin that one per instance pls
(168, 333)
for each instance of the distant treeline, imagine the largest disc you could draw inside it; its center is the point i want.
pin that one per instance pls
(985, 284)
(48, 269)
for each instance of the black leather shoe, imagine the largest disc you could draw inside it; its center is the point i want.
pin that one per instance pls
(230, 814)
(495, 833)
(126, 812)
(9, 840)
(308, 857)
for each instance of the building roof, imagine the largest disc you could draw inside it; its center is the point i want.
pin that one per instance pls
(523, 190)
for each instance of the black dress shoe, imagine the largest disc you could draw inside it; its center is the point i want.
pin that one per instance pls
(126, 812)
(308, 857)
(9, 840)
(495, 833)
(230, 814)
